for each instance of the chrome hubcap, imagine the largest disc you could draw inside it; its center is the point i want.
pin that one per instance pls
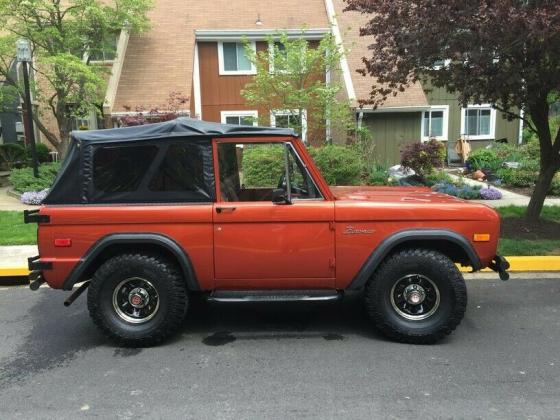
(135, 300)
(415, 297)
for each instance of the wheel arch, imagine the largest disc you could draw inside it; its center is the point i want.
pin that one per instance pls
(119, 243)
(448, 242)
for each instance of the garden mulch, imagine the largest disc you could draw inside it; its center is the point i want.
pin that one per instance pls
(518, 228)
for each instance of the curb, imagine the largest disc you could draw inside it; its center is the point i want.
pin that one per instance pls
(13, 194)
(518, 264)
(528, 264)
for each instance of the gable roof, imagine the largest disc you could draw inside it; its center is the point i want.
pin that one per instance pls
(160, 61)
(356, 47)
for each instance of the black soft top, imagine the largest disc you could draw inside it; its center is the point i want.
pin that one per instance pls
(154, 163)
(180, 127)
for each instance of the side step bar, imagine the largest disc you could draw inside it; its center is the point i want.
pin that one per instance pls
(233, 296)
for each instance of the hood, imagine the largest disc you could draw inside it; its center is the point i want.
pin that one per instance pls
(393, 195)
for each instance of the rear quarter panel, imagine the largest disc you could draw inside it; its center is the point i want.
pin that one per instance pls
(188, 225)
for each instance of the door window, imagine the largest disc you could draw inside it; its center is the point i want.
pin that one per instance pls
(251, 171)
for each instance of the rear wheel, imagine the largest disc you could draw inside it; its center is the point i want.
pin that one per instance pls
(416, 296)
(137, 300)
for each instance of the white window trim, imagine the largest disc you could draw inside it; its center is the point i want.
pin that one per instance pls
(280, 112)
(492, 134)
(225, 114)
(446, 63)
(445, 131)
(223, 72)
(271, 58)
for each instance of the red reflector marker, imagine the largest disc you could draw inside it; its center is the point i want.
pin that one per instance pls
(63, 242)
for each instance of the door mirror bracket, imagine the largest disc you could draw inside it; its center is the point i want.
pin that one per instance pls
(279, 196)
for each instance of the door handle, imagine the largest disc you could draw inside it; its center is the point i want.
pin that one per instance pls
(225, 209)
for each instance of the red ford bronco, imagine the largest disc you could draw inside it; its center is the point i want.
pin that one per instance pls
(147, 216)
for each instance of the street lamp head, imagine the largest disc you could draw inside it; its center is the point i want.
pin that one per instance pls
(23, 49)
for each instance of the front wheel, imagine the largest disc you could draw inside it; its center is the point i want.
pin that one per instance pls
(137, 300)
(416, 296)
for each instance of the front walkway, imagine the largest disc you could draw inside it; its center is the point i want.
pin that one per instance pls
(508, 198)
(7, 202)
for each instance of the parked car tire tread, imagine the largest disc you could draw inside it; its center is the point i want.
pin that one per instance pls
(177, 293)
(389, 269)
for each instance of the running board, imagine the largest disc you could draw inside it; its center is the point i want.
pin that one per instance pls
(233, 296)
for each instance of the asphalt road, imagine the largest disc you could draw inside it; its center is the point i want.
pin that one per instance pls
(285, 361)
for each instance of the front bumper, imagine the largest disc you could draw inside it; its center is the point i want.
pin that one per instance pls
(500, 265)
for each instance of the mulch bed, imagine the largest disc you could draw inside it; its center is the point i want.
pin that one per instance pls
(518, 228)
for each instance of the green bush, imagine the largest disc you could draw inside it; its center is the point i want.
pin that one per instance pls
(42, 152)
(555, 186)
(23, 180)
(438, 177)
(340, 165)
(378, 174)
(263, 165)
(517, 177)
(12, 155)
(485, 158)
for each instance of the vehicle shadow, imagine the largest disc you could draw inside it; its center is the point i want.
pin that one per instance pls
(223, 323)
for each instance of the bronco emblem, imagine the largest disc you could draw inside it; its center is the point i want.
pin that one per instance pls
(351, 230)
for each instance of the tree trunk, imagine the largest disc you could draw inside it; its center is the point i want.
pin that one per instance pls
(539, 193)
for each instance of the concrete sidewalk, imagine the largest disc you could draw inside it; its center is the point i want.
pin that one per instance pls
(509, 198)
(13, 259)
(9, 203)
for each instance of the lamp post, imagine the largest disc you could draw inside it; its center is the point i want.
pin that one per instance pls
(24, 57)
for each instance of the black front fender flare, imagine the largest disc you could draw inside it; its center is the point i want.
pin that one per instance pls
(400, 237)
(133, 238)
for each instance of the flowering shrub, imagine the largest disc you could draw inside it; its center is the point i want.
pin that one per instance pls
(464, 191)
(34, 197)
(423, 157)
(490, 193)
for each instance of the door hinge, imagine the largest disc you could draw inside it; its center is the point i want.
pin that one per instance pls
(332, 262)
(332, 226)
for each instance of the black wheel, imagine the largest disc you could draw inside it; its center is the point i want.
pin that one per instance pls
(137, 300)
(416, 296)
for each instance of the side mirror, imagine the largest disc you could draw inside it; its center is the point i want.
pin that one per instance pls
(279, 196)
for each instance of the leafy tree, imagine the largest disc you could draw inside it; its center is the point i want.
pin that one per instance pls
(291, 75)
(505, 52)
(65, 36)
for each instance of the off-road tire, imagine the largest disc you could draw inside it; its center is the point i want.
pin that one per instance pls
(441, 271)
(172, 295)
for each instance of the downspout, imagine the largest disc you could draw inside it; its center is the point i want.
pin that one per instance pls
(196, 85)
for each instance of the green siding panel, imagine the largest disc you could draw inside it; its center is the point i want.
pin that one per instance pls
(440, 96)
(392, 131)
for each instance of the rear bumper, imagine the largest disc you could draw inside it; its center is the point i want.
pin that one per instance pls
(36, 267)
(500, 265)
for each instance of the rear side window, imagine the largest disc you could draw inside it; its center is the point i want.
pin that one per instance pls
(119, 169)
(180, 170)
(162, 172)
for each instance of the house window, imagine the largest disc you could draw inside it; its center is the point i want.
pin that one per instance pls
(106, 50)
(434, 123)
(233, 60)
(478, 122)
(290, 119)
(279, 61)
(239, 117)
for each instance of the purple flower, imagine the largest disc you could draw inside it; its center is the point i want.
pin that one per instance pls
(34, 197)
(490, 193)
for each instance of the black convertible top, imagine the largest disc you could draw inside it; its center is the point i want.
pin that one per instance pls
(180, 127)
(154, 163)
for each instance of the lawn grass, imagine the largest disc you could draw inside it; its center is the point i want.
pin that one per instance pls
(548, 212)
(14, 232)
(513, 247)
